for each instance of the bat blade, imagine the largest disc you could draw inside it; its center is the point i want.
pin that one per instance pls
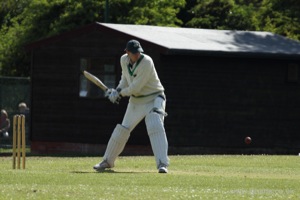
(95, 80)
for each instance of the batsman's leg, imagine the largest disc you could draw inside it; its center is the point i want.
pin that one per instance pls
(159, 106)
(158, 139)
(114, 147)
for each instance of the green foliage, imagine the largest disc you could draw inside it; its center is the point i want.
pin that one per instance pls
(9, 63)
(73, 13)
(211, 14)
(10, 9)
(277, 16)
(118, 10)
(281, 17)
(25, 21)
(39, 19)
(184, 14)
(155, 12)
(222, 14)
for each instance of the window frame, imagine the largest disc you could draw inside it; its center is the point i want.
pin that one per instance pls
(102, 67)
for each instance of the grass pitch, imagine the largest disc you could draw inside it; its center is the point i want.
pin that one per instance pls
(190, 177)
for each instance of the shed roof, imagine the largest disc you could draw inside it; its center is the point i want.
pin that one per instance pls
(194, 40)
(209, 40)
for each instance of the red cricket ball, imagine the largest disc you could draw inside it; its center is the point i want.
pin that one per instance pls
(248, 140)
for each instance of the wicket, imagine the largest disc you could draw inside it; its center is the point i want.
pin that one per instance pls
(19, 141)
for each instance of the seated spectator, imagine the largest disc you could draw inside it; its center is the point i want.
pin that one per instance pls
(23, 109)
(4, 124)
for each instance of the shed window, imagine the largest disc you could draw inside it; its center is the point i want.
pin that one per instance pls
(104, 69)
(292, 74)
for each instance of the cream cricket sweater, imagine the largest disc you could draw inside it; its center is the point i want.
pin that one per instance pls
(141, 81)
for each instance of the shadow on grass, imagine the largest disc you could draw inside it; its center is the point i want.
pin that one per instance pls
(108, 172)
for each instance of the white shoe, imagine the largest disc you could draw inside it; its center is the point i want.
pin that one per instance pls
(100, 167)
(162, 168)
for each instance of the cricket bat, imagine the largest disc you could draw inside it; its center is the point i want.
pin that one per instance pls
(95, 80)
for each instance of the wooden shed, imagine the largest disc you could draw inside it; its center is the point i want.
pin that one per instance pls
(221, 86)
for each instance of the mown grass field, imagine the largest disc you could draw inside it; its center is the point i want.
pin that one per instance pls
(190, 177)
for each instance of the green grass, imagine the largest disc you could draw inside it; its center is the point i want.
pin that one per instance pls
(190, 177)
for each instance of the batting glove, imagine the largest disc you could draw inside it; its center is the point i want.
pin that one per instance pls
(108, 92)
(114, 96)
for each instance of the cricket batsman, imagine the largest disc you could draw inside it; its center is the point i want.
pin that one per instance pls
(140, 82)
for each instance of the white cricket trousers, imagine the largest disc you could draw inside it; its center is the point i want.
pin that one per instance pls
(134, 114)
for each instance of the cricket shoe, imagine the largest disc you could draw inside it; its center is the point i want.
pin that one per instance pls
(100, 167)
(162, 168)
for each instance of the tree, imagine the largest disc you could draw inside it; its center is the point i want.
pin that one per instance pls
(277, 16)
(9, 9)
(184, 14)
(281, 17)
(154, 12)
(25, 21)
(222, 14)
(37, 19)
